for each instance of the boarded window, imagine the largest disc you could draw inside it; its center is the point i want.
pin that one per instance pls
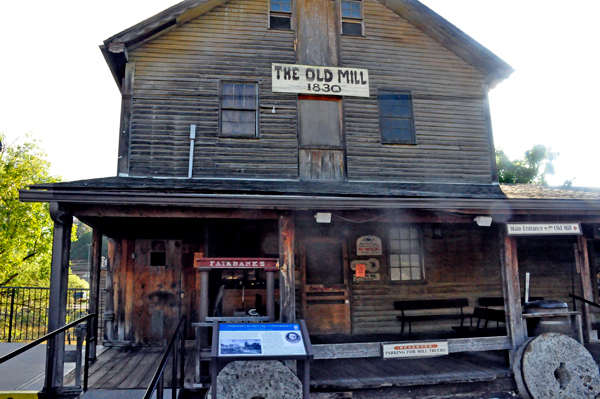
(396, 118)
(352, 18)
(280, 14)
(239, 114)
(406, 255)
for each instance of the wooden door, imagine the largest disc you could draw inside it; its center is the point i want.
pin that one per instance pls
(325, 286)
(157, 290)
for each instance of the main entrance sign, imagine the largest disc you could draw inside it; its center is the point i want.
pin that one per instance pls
(320, 80)
(540, 229)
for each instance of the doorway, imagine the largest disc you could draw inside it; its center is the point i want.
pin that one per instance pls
(325, 286)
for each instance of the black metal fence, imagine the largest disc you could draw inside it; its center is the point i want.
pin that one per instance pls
(24, 312)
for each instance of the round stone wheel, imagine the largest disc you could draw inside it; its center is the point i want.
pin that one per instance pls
(267, 379)
(555, 366)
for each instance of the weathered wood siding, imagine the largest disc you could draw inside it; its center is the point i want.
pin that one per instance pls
(465, 263)
(448, 105)
(177, 84)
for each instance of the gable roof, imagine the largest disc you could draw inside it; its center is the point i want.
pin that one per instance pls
(493, 68)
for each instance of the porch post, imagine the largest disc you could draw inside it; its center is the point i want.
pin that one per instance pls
(286, 267)
(96, 261)
(109, 304)
(57, 306)
(586, 286)
(511, 288)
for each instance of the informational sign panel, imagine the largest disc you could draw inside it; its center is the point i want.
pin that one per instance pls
(368, 245)
(256, 339)
(320, 80)
(234, 263)
(540, 229)
(423, 349)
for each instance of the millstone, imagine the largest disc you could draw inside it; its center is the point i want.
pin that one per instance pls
(257, 380)
(555, 366)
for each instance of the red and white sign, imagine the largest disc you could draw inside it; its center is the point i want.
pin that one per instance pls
(423, 349)
(368, 245)
(235, 263)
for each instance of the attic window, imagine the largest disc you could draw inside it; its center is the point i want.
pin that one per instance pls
(280, 16)
(352, 18)
(239, 116)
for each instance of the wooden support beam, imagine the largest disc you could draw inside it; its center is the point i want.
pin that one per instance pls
(96, 260)
(586, 286)
(511, 289)
(286, 267)
(271, 296)
(57, 307)
(109, 304)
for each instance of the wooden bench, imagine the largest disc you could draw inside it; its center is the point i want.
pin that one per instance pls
(483, 315)
(418, 310)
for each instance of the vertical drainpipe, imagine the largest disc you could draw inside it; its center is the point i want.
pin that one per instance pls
(192, 139)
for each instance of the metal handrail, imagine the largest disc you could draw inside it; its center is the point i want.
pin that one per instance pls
(584, 300)
(157, 380)
(52, 334)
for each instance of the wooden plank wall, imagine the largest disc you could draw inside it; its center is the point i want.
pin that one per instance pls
(177, 85)
(463, 264)
(448, 105)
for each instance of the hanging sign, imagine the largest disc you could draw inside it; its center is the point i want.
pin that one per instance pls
(260, 339)
(540, 229)
(368, 245)
(319, 80)
(235, 263)
(423, 349)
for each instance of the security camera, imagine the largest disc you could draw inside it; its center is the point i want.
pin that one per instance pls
(483, 221)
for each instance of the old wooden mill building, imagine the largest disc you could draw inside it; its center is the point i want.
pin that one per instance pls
(350, 140)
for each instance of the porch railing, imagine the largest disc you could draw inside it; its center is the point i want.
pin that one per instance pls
(177, 354)
(24, 312)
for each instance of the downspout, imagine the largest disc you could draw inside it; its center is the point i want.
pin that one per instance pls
(192, 139)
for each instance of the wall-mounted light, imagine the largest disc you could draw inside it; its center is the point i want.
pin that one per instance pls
(483, 221)
(438, 233)
(323, 217)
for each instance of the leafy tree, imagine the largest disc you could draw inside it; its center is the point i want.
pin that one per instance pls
(25, 228)
(532, 168)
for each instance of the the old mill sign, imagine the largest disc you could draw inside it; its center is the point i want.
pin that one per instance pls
(319, 80)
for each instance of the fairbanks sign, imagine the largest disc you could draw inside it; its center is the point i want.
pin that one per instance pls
(319, 80)
(234, 263)
(540, 229)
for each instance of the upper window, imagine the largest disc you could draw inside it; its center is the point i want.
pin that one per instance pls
(406, 255)
(396, 118)
(280, 16)
(352, 17)
(239, 109)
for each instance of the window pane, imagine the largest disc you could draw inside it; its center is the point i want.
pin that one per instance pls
(394, 246)
(415, 246)
(404, 233)
(415, 260)
(404, 260)
(405, 273)
(394, 261)
(351, 28)
(239, 96)
(415, 273)
(414, 233)
(398, 105)
(396, 130)
(395, 274)
(394, 234)
(281, 5)
(405, 246)
(283, 23)
(239, 123)
(351, 9)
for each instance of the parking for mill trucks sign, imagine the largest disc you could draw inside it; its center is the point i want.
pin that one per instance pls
(421, 349)
(320, 80)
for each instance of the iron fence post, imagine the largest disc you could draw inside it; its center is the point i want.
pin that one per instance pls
(11, 314)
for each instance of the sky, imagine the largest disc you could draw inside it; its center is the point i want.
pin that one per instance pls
(55, 83)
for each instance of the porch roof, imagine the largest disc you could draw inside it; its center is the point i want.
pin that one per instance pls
(294, 194)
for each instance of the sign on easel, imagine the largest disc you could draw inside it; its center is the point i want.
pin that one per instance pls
(260, 340)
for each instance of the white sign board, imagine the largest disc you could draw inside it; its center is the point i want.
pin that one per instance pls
(539, 229)
(250, 339)
(423, 349)
(320, 80)
(368, 245)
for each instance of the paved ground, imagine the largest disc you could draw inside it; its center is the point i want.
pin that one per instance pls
(26, 371)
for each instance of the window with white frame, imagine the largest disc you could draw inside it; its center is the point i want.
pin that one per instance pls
(406, 254)
(352, 17)
(280, 14)
(239, 110)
